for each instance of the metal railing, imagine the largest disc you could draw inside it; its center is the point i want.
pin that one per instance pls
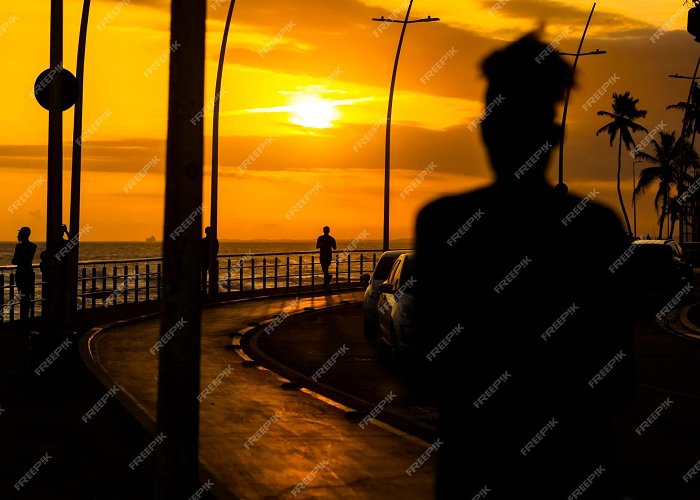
(130, 281)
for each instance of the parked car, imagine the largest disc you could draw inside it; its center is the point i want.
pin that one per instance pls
(379, 276)
(395, 310)
(658, 268)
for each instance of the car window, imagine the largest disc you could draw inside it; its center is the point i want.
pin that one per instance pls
(677, 250)
(384, 266)
(408, 269)
(395, 272)
(653, 254)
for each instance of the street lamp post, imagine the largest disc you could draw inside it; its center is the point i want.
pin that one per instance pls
(568, 95)
(76, 169)
(387, 151)
(684, 133)
(54, 311)
(634, 196)
(214, 214)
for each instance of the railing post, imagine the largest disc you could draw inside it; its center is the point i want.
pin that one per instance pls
(337, 261)
(228, 276)
(2, 297)
(264, 273)
(125, 285)
(114, 278)
(158, 271)
(300, 259)
(32, 311)
(252, 274)
(93, 286)
(104, 280)
(349, 266)
(241, 268)
(136, 284)
(287, 271)
(276, 262)
(12, 296)
(362, 262)
(313, 271)
(83, 287)
(148, 282)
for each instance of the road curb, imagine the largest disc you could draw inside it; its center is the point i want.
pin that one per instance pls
(349, 403)
(89, 353)
(678, 323)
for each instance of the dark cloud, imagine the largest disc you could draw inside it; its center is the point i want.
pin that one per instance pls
(556, 12)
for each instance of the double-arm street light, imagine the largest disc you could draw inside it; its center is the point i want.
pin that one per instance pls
(387, 151)
(684, 132)
(576, 55)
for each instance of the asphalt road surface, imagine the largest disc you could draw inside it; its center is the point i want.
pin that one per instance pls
(667, 367)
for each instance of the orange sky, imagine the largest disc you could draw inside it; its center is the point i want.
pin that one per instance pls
(303, 83)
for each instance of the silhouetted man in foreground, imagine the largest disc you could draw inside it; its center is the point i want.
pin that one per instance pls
(326, 244)
(24, 275)
(521, 306)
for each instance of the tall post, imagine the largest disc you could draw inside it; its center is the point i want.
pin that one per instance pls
(76, 168)
(634, 195)
(387, 148)
(55, 313)
(214, 214)
(683, 215)
(178, 369)
(566, 101)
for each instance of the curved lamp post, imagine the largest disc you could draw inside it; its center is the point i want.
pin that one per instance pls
(387, 152)
(214, 213)
(568, 95)
(76, 168)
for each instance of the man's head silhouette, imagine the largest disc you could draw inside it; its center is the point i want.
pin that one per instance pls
(526, 80)
(23, 233)
(326, 229)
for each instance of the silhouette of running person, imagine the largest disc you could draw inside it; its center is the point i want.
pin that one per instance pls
(326, 244)
(205, 255)
(24, 275)
(521, 304)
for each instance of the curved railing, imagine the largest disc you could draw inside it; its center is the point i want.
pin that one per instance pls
(117, 282)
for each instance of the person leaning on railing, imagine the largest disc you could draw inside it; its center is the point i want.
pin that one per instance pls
(24, 276)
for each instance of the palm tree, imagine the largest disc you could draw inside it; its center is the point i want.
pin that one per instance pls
(624, 113)
(670, 163)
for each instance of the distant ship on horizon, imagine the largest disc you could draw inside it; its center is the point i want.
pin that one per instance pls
(151, 239)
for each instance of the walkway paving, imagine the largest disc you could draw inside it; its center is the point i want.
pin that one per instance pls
(306, 442)
(303, 435)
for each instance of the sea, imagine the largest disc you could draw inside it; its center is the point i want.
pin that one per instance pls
(101, 251)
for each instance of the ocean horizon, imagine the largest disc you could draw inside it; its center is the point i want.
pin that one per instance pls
(119, 250)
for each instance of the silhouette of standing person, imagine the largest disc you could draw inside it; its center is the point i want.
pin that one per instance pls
(206, 241)
(24, 275)
(326, 244)
(521, 303)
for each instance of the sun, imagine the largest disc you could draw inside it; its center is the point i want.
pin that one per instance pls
(312, 111)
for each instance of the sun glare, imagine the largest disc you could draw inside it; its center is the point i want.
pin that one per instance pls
(312, 111)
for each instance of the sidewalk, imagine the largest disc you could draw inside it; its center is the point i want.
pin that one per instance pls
(304, 442)
(41, 417)
(302, 438)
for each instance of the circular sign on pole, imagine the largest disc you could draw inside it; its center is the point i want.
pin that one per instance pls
(47, 78)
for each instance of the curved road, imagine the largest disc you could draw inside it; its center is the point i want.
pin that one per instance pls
(667, 367)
